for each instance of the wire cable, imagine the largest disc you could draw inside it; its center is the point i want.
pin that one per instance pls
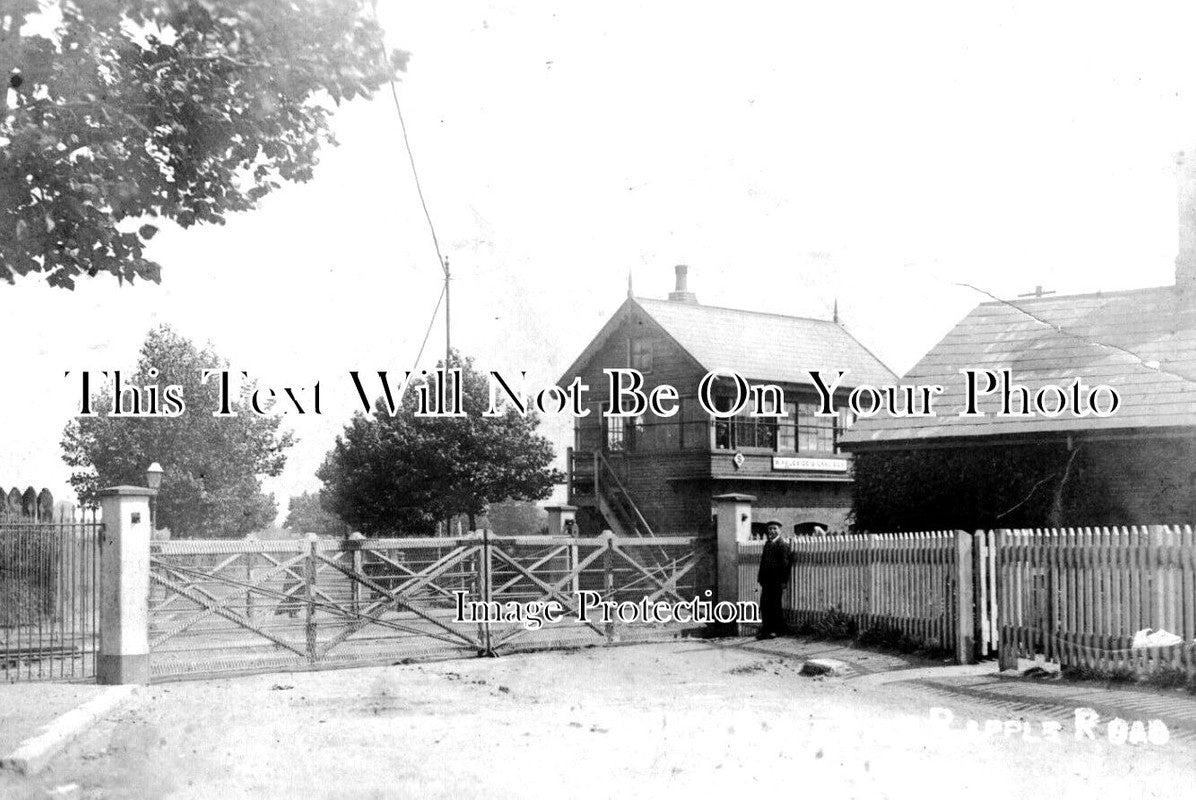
(428, 333)
(394, 95)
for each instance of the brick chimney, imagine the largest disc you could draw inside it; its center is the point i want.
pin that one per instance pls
(1185, 259)
(682, 293)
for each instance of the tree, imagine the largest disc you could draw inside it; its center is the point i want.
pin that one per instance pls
(517, 518)
(306, 514)
(398, 475)
(213, 466)
(129, 110)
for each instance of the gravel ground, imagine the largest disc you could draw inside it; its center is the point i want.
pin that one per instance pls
(637, 721)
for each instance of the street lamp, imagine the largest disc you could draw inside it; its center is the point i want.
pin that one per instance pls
(153, 476)
(153, 479)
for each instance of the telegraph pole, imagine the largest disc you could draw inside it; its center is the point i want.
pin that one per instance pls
(448, 350)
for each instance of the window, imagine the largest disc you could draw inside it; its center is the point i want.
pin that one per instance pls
(615, 431)
(787, 429)
(622, 434)
(814, 433)
(743, 430)
(641, 355)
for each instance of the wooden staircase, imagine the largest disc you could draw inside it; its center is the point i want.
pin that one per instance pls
(596, 484)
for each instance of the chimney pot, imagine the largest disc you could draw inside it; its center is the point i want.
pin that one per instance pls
(682, 294)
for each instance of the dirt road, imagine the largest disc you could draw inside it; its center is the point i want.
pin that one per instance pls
(699, 718)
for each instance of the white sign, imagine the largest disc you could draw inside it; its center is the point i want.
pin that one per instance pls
(810, 464)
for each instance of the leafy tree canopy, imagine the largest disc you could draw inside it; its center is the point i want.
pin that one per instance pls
(399, 475)
(516, 518)
(306, 514)
(213, 466)
(116, 112)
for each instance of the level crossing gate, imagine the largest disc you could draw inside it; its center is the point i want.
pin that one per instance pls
(245, 606)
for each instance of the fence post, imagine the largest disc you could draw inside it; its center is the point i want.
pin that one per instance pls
(250, 560)
(1007, 645)
(965, 621)
(487, 588)
(309, 591)
(609, 580)
(358, 570)
(734, 515)
(124, 586)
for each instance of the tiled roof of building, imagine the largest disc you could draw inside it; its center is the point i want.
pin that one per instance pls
(759, 346)
(767, 346)
(1140, 342)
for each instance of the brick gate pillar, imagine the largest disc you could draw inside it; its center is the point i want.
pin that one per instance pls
(124, 586)
(733, 513)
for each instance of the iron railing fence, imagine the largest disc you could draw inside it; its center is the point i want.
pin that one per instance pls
(49, 585)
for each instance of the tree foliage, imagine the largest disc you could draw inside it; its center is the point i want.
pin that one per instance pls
(399, 475)
(516, 518)
(127, 110)
(306, 514)
(213, 466)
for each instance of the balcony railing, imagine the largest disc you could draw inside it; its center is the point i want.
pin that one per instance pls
(629, 436)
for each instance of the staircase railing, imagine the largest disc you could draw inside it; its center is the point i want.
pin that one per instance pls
(605, 478)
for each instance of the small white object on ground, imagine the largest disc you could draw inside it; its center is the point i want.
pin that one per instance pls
(1149, 637)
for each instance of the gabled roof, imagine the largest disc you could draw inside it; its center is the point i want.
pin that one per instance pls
(1140, 342)
(759, 346)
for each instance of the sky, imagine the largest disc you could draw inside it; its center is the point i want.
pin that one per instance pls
(792, 154)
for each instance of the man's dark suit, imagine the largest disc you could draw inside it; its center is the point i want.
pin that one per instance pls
(775, 561)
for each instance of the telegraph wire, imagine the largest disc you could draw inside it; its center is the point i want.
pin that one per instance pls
(444, 265)
(394, 93)
(428, 333)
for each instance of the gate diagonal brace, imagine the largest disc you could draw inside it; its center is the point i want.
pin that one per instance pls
(331, 607)
(554, 590)
(192, 585)
(668, 585)
(289, 594)
(426, 578)
(364, 619)
(257, 587)
(209, 602)
(550, 592)
(551, 555)
(244, 586)
(218, 609)
(410, 573)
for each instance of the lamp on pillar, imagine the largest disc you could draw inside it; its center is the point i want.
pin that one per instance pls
(153, 480)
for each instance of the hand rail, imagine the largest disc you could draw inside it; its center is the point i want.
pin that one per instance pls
(639, 523)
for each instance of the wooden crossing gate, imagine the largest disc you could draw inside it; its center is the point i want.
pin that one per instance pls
(219, 606)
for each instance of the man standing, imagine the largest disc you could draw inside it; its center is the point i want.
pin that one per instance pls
(775, 560)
